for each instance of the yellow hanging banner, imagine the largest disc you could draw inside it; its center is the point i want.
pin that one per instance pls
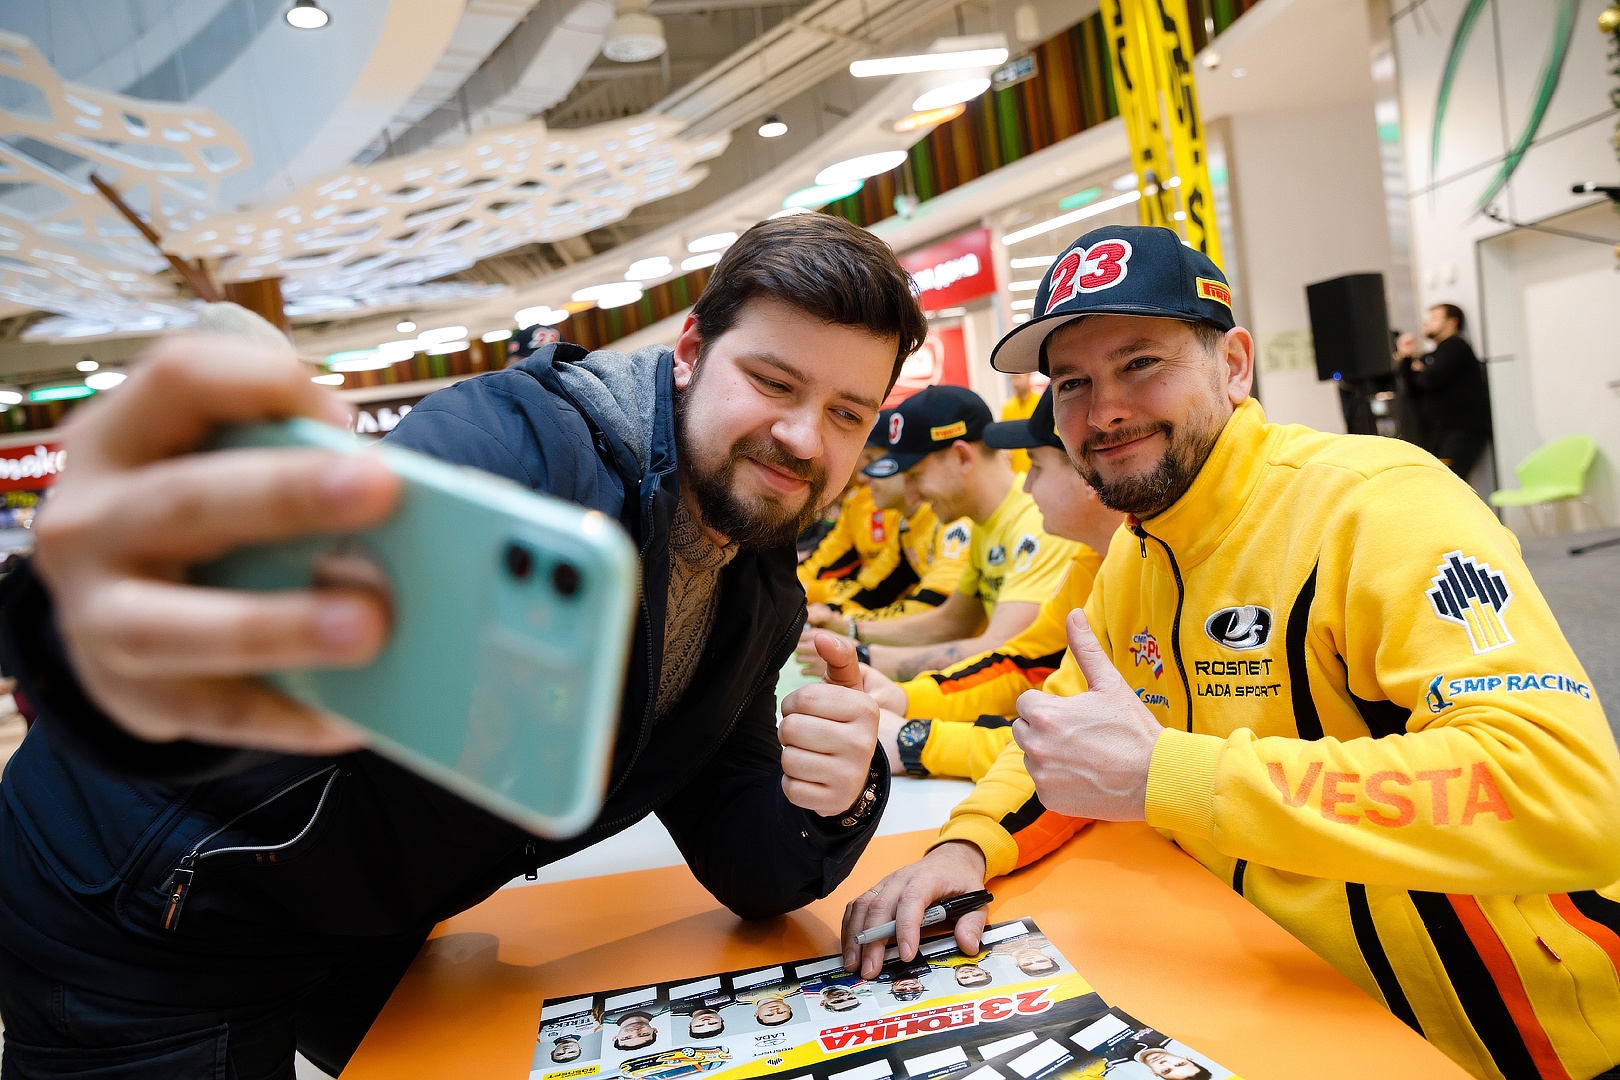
(1150, 47)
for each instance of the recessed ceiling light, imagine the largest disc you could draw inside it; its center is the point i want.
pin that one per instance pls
(1126, 182)
(334, 379)
(821, 194)
(772, 128)
(698, 262)
(539, 316)
(1027, 285)
(104, 380)
(859, 168)
(713, 242)
(449, 347)
(87, 364)
(940, 61)
(788, 211)
(361, 360)
(649, 269)
(1034, 260)
(307, 15)
(1023, 305)
(495, 335)
(1079, 199)
(442, 334)
(610, 294)
(1211, 59)
(406, 327)
(952, 93)
(10, 397)
(1044, 227)
(1238, 73)
(61, 393)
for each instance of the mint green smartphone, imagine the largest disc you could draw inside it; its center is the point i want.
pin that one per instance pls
(512, 615)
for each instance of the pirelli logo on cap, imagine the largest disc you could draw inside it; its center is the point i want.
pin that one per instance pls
(948, 431)
(1210, 289)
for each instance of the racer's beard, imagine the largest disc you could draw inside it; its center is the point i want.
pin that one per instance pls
(752, 523)
(1154, 490)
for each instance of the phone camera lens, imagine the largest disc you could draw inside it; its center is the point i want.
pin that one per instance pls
(519, 563)
(565, 579)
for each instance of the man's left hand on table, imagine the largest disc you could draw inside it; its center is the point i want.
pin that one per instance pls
(1089, 754)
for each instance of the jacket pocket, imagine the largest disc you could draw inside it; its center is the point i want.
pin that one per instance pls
(275, 829)
(195, 1055)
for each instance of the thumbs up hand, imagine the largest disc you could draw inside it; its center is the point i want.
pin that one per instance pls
(1089, 754)
(829, 732)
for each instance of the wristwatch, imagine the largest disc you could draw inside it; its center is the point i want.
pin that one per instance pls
(863, 652)
(911, 740)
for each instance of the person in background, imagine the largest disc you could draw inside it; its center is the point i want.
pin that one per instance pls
(1449, 384)
(1019, 406)
(956, 722)
(936, 437)
(934, 554)
(861, 552)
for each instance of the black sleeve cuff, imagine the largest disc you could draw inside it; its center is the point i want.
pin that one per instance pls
(31, 651)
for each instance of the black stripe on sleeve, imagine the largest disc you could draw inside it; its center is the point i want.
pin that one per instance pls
(1471, 981)
(1024, 816)
(890, 589)
(931, 597)
(990, 720)
(1306, 719)
(1239, 869)
(1600, 909)
(1372, 951)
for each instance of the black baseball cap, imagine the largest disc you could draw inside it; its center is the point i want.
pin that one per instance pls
(879, 435)
(930, 420)
(1118, 270)
(1038, 430)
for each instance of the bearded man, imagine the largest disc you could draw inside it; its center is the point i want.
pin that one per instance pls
(155, 735)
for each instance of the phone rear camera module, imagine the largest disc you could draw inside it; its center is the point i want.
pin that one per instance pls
(565, 579)
(519, 562)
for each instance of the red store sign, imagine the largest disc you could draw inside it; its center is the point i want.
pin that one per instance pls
(31, 468)
(953, 271)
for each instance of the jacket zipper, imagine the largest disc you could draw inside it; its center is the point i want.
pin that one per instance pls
(180, 880)
(1142, 537)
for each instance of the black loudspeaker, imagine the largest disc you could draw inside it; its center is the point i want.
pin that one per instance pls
(1350, 327)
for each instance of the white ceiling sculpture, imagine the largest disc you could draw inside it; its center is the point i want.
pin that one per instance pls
(62, 248)
(360, 235)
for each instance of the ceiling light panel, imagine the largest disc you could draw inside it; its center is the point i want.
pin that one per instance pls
(952, 93)
(859, 168)
(939, 61)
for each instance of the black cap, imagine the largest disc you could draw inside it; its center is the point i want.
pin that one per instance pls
(929, 420)
(1118, 270)
(879, 435)
(1038, 430)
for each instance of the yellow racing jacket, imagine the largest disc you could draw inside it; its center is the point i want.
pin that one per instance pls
(967, 705)
(861, 551)
(934, 555)
(1376, 732)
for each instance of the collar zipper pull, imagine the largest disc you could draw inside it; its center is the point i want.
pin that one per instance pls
(179, 887)
(1141, 539)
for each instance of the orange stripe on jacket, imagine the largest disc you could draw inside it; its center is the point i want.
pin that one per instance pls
(1601, 935)
(1510, 986)
(1045, 835)
(1005, 666)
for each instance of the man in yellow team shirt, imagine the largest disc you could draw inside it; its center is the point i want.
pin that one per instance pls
(1019, 407)
(861, 553)
(933, 556)
(936, 438)
(957, 721)
(1323, 670)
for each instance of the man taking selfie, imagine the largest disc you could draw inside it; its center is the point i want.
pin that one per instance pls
(320, 867)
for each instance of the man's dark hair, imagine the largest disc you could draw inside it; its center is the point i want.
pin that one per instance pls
(1454, 312)
(824, 266)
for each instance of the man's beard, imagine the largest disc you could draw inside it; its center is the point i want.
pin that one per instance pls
(1152, 492)
(753, 525)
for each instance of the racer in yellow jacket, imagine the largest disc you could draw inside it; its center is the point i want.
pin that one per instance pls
(956, 722)
(1020, 405)
(1323, 670)
(861, 553)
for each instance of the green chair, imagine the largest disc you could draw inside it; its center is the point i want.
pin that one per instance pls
(1555, 472)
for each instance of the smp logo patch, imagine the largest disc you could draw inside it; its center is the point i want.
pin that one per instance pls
(1024, 553)
(1145, 650)
(1470, 594)
(996, 555)
(880, 528)
(957, 539)
(1436, 695)
(1240, 628)
(1152, 699)
(1101, 266)
(897, 424)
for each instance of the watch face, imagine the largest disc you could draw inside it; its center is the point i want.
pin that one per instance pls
(913, 733)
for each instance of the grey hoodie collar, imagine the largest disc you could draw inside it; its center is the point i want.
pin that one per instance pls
(622, 390)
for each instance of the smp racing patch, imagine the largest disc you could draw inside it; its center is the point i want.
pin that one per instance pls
(957, 538)
(1442, 690)
(1024, 553)
(1471, 595)
(1145, 650)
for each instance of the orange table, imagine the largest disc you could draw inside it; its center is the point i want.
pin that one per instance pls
(1154, 933)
